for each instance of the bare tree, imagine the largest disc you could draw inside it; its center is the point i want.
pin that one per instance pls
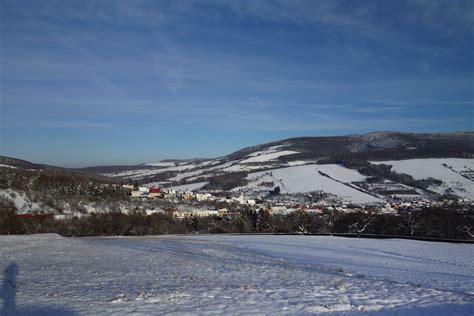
(467, 229)
(411, 222)
(9, 224)
(361, 225)
(271, 227)
(267, 222)
(329, 218)
(302, 222)
(213, 225)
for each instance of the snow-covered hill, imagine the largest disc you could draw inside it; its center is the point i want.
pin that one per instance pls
(301, 150)
(331, 179)
(305, 164)
(245, 275)
(263, 172)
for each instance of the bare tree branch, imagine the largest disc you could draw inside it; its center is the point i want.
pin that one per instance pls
(466, 229)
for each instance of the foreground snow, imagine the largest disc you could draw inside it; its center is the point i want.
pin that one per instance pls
(234, 275)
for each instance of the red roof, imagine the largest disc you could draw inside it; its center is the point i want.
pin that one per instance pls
(37, 216)
(154, 190)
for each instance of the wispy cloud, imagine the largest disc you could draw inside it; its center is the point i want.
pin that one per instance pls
(63, 124)
(220, 69)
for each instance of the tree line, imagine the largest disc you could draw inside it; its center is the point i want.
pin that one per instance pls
(453, 222)
(60, 183)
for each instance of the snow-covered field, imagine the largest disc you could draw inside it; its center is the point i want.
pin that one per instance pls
(231, 274)
(447, 170)
(267, 156)
(306, 178)
(188, 187)
(140, 173)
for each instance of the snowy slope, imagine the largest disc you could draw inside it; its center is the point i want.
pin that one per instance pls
(445, 169)
(7, 166)
(140, 173)
(264, 157)
(206, 168)
(161, 164)
(188, 187)
(21, 201)
(340, 173)
(272, 275)
(202, 171)
(437, 265)
(301, 176)
(269, 150)
(300, 179)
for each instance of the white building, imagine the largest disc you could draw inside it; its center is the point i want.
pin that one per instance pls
(251, 202)
(197, 213)
(137, 194)
(203, 197)
(170, 191)
(223, 211)
(204, 213)
(279, 210)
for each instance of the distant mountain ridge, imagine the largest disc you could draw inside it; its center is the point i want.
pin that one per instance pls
(20, 163)
(381, 145)
(28, 165)
(374, 145)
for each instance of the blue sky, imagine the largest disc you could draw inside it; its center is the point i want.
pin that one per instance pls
(123, 82)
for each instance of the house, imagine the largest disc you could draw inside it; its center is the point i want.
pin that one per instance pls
(181, 214)
(143, 189)
(241, 199)
(197, 213)
(279, 210)
(187, 196)
(128, 187)
(152, 212)
(170, 191)
(170, 196)
(137, 194)
(62, 216)
(251, 202)
(154, 193)
(37, 216)
(204, 213)
(203, 197)
(315, 210)
(223, 211)
(225, 200)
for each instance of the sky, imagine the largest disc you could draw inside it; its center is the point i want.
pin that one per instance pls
(124, 82)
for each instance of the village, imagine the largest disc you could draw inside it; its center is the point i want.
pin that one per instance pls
(81, 206)
(221, 203)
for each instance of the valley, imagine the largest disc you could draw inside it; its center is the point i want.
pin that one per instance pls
(267, 188)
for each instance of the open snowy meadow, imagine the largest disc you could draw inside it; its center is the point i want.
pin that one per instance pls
(234, 274)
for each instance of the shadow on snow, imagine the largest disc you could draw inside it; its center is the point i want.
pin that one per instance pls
(8, 293)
